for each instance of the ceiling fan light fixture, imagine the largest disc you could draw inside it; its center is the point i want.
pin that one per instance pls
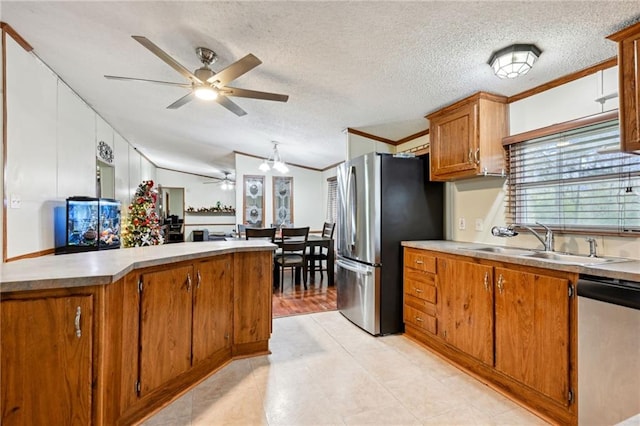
(206, 93)
(515, 60)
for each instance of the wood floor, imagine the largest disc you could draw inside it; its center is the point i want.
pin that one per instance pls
(295, 300)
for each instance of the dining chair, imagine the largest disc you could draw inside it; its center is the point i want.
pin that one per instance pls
(312, 257)
(262, 233)
(293, 242)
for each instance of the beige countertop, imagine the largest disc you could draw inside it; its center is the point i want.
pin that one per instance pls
(107, 266)
(627, 270)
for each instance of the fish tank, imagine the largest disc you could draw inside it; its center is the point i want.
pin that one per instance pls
(91, 224)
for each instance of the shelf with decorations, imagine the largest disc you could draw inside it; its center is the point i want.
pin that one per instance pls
(218, 210)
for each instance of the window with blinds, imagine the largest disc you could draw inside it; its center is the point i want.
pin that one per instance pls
(575, 180)
(332, 193)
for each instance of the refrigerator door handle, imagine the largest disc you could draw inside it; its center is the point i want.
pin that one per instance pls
(351, 206)
(359, 270)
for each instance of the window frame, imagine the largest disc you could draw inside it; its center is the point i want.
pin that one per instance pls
(513, 191)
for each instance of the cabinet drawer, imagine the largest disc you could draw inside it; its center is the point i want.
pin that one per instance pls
(420, 285)
(420, 304)
(420, 319)
(418, 259)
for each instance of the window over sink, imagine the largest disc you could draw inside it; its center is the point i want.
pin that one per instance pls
(575, 179)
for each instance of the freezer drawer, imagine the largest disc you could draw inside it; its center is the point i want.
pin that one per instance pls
(358, 288)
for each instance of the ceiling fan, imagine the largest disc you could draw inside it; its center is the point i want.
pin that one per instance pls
(206, 83)
(225, 183)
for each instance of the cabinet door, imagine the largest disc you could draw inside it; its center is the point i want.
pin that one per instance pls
(454, 142)
(465, 307)
(629, 83)
(212, 307)
(165, 326)
(46, 361)
(253, 276)
(532, 330)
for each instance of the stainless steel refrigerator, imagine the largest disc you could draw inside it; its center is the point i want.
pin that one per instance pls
(382, 200)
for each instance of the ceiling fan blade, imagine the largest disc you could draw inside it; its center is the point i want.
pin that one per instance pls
(166, 58)
(244, 93)
(183, 100)
(235, 70)
(231, 106)
(167, 83)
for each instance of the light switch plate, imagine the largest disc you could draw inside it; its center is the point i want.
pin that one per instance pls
(462, 224)
(479, 225)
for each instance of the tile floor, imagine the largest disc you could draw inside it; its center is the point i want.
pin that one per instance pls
(325, 371)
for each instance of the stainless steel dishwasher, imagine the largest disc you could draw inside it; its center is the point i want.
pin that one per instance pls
(608, 350)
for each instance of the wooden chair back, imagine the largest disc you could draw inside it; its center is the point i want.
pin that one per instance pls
(264, 233)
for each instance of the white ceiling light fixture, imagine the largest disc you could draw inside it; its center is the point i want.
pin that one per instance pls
(227, 184)
(206, 93)
(515, 60)
(276, 162)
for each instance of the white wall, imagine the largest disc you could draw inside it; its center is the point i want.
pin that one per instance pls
(484, 198)
(358, 145)
(309, 205)
(199, 191)
(52, 137)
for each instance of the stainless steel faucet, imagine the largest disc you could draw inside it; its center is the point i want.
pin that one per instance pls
(547, 241)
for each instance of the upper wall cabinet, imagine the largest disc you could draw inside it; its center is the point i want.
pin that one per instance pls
(466, 137)
(629, 82)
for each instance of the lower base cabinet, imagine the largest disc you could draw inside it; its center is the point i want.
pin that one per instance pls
(510, 325)
(113, 354)
(47, 355)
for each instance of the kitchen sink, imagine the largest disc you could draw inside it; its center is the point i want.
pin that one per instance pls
(572, 259)
(507, 251)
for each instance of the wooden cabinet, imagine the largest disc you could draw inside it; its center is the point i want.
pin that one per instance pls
(420, 292)
(465, 311)
(629, 86)
(532, 331)
(512, 326)
(47, 355)
(466, 137)
(212, 307)
(165, 326)
(252, 301)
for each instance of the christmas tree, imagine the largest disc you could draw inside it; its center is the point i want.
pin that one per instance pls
(141, 225)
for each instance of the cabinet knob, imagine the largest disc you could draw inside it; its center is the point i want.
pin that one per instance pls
(417, 290)
(419, 319)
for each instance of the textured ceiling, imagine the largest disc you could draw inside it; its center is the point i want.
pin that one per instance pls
(378, 67)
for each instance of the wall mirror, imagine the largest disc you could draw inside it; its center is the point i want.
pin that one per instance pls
(105, 180)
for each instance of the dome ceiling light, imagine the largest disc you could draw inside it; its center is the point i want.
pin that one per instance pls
(515, 60)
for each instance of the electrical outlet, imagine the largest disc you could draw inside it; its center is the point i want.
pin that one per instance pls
(15, 201)
(462, 224)
(479, 224)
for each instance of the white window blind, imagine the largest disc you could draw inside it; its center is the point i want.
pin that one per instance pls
(575, 180)
(332, 185)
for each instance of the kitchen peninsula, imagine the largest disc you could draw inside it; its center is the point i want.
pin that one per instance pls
(110, 337)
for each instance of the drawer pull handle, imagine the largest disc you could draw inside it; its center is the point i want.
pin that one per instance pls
(418, 290)
(477, 156)
(199, 279)
(470, 156)
(500, 283)
(419, 319)
(486, 281)
(188, 282)
(419, 262)
(77, 322)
